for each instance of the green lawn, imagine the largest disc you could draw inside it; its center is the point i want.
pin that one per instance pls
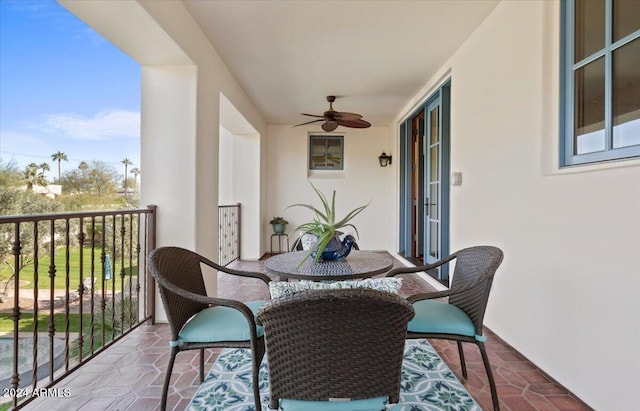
(44, 282)
(25, 324)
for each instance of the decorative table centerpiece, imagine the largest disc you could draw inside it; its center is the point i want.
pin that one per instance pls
(326, 229)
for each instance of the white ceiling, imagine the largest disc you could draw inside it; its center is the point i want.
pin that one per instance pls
(374, 55)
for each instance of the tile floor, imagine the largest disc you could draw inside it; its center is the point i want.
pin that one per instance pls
(129, 375)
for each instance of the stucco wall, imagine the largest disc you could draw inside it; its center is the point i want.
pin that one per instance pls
(566, 295)
(213, 80)
(182, 81)
(225, 167)
(362, 180)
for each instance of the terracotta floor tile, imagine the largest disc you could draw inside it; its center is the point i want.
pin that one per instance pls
(512, 377)
(99, 404)
(565, 402)
(143, 355)
(517, 366)
(509, 356)
(534, 377)
(142, 404)
(539, 402)
(509, 390)
(517, 403)
(548, 389)
(483, 399)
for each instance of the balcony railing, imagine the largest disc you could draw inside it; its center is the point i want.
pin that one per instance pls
(78, 282)
(228, 233)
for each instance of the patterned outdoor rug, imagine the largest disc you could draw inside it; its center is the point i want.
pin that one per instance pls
(427, 383)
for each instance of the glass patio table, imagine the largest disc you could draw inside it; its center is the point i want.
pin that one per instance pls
(358, 264)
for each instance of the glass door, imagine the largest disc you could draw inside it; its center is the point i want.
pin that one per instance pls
(433, 184)
(417, 186)
(424, 183)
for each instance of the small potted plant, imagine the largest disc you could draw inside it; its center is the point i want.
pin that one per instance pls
(278, 224)
(325, 227)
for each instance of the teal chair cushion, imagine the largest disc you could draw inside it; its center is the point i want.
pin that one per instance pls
(220, 324)
(369, 404)
(440, 317)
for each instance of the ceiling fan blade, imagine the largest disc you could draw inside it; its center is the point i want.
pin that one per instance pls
(354, 123)
(330, 125)
(309, 122)
(341, 115)
(337, 118)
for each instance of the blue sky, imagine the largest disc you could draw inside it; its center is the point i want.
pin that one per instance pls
(64, 88)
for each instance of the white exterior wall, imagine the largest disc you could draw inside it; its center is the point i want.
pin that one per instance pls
(225, 167)
(566, 295)
(170, 134)
(182, 80)
(246, 180)
(568, 288)
(362, 180)
(239, 182)
(213, 80)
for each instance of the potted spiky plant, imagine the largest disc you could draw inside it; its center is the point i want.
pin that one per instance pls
(326, 228)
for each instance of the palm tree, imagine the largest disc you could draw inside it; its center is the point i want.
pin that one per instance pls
(44, 167)
(34, 176)
(136, 172)
(126, 163)
(59, 157)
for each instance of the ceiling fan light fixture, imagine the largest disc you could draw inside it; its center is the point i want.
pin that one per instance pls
(332, 119)
(329, 126)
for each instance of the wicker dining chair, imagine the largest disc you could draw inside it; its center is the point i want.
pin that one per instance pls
(325, 347)
(461, 317)
(198, 321)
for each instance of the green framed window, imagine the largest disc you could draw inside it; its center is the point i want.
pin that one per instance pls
(600, 81)
(326, 152)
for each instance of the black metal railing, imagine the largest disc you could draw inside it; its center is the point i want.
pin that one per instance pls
(228, 233)
(78, 283)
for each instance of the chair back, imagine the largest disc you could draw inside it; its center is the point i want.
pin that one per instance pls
(177, 268)
(475, 266)
(337, 343)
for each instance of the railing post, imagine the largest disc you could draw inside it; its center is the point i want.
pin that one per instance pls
(52, 296)
(123, 232)
(15, 377)
(239, 228)
(81, 237)
(151, 245)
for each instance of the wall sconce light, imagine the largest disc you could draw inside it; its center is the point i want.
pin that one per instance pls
(384, 159)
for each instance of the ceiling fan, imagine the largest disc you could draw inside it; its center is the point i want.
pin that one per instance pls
(332, 119)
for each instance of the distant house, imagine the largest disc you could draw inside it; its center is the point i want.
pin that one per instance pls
(49, 191)
(130, 190)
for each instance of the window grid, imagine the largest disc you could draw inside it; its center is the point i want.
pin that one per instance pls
(326, 152)
(569, 155)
